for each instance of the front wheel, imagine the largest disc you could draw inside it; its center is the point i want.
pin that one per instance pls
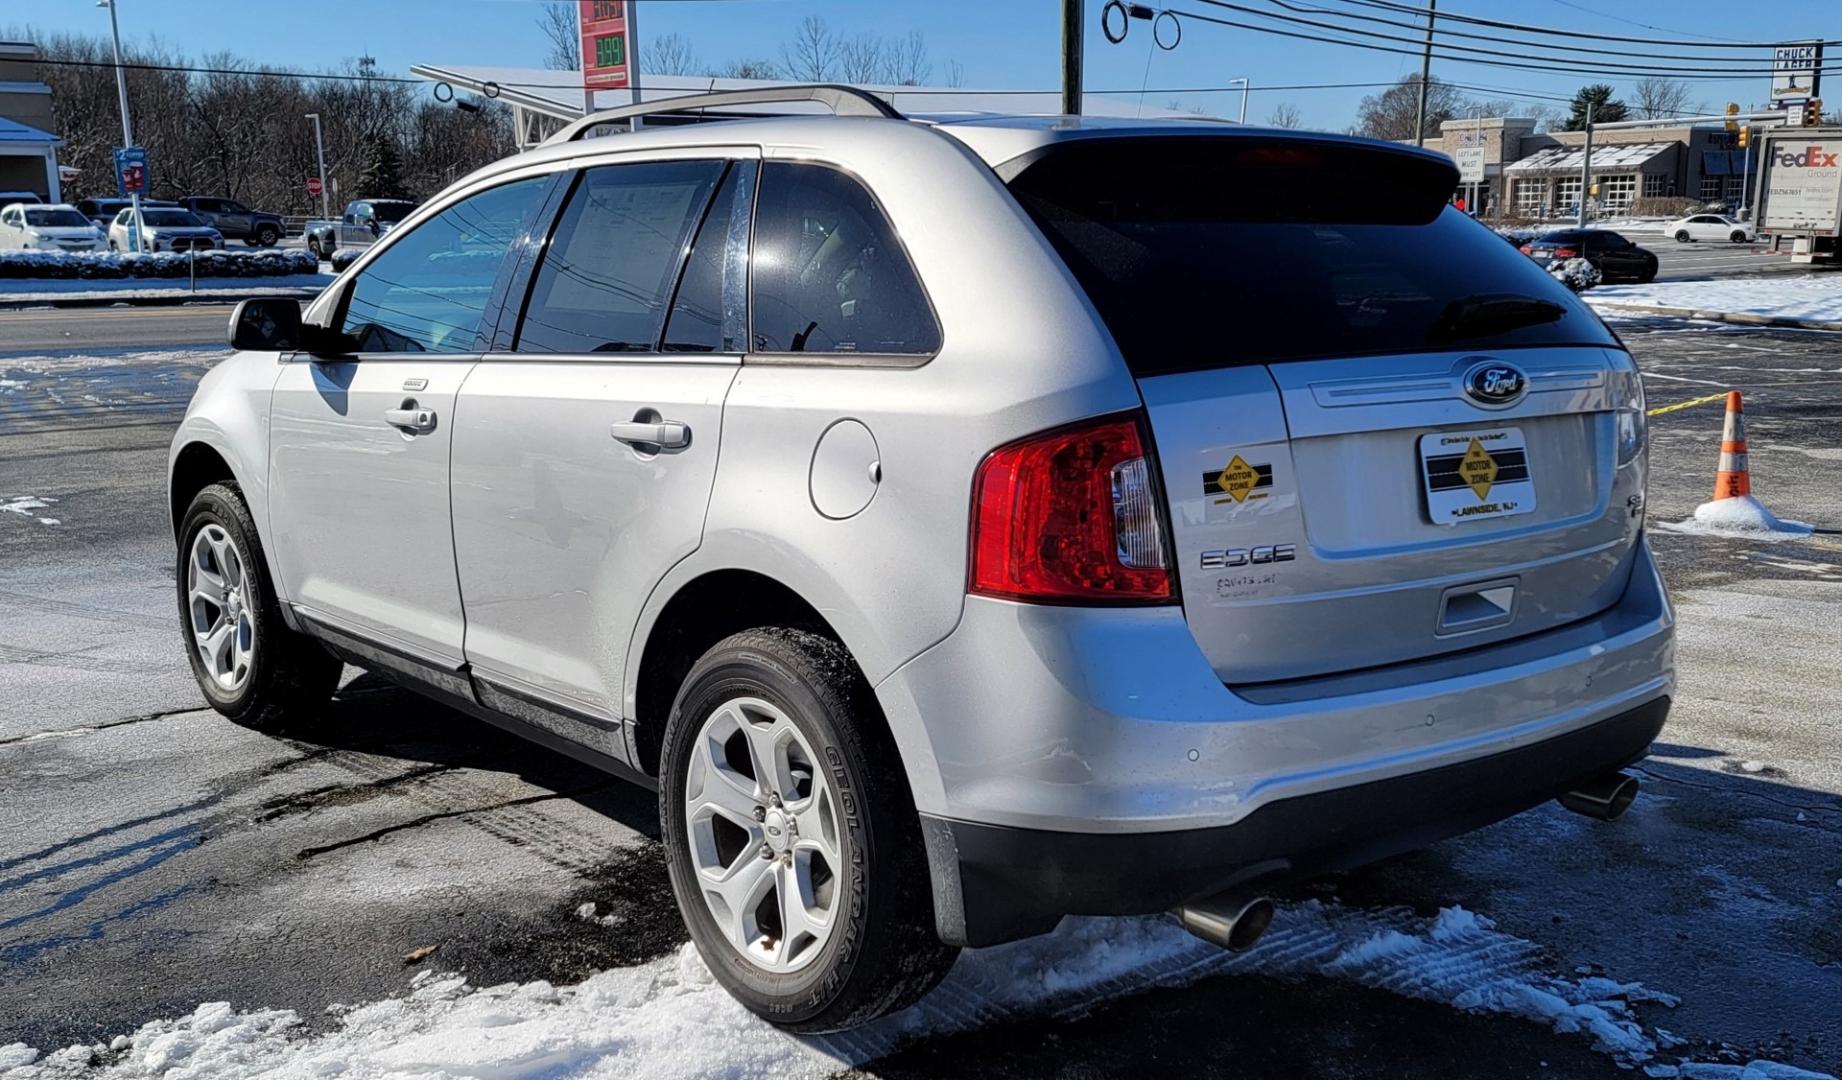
(1738, 237)
(792, 841)
(249, 664)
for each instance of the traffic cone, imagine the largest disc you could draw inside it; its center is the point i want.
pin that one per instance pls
(1733, 481)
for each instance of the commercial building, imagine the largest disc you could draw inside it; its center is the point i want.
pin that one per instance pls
(1530, 174)
(28, 150)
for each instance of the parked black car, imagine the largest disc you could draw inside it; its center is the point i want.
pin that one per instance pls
(256, 228)
(1617, 258)
(103, 211)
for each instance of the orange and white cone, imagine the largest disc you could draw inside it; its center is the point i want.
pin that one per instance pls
(1734, 511)
(1733, 481)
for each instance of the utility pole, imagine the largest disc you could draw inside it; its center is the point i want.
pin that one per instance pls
(1586, 164)
(1426, 73)
(1071, 57)
(319, 151)
(121, 90)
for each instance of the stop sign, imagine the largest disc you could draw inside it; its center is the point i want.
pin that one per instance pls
(313, 185)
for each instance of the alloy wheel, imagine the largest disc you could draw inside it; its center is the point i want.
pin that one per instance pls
(763, 830)
(218, 607)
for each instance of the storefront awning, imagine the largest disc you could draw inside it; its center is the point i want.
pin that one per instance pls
(1558, 160)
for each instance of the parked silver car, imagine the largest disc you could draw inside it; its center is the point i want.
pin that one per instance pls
(163, 229)
(961, 524)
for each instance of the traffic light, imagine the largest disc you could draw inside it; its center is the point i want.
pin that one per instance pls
(1813, 112)
(1745, 137)
(1733, 110)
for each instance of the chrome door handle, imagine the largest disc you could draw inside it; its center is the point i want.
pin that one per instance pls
(666, 434)
(410, 418)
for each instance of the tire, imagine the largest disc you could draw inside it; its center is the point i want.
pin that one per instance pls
(877, 951)
(266, 236)
(283, 679)
(1649, 275)
(1682, 236)
(1738, 237)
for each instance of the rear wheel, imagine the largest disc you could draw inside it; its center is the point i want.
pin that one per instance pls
(1682, 236)
(793, 844)
(249, 664)
(267, 236)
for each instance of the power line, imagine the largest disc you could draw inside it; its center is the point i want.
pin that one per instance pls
(1552, 69)
(1602, 67)
(1417, 28)
(1645, 25)
(1525, 28)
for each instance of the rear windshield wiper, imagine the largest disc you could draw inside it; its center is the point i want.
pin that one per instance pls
(1492, 313)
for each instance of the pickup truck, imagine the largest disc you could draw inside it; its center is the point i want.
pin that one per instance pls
(236, 221)
(362, 223)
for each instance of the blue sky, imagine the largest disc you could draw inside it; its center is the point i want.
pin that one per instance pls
(1009, 44)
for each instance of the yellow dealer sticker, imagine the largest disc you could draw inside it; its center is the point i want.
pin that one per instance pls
(1239, 481)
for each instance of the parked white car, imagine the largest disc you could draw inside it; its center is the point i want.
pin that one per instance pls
(58, 227)
(1711, 227)
(164, 229)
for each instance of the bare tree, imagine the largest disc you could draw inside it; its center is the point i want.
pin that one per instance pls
(813, 52)
(558, 22)
(1285, 115)
(905, 61)
(1391, 113)
(745, 68)
(1657, 98)
(860, 59)
(670, 54)
(956, 73)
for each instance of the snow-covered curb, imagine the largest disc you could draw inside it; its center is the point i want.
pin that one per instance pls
(1812, 301)
(670, 1019)
(19, 293)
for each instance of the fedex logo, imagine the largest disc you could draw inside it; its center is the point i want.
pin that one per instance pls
(1813, 157)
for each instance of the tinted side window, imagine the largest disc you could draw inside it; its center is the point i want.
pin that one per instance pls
(710, 312)
(428, 290)
(829, 273)
(606, 277)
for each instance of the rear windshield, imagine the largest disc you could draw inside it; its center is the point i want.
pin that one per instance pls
(1214, 251)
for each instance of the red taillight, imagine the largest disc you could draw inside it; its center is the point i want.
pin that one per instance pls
(1524, 249)
(1564, 253)
(1070, 516)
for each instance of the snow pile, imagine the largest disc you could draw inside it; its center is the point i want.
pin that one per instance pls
(1577, 274)
(1742, 517)
(65, 265)
(1814, 297)
(670, 1019)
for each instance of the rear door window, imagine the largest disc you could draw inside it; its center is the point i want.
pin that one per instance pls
(829, 274)
(1248, 251)
(606, 276)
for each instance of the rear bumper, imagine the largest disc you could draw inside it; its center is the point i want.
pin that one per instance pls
(1006, 883)
(1084, 761)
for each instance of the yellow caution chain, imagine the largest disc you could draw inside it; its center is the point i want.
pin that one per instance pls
(1660, 410)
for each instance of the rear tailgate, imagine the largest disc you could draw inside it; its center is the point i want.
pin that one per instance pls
(1383, 433)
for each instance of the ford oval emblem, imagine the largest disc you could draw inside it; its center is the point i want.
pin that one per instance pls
(1495, 384)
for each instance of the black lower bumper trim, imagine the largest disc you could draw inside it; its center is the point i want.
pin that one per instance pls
(994, 884)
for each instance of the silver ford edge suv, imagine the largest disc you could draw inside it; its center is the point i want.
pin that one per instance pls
(961, 524)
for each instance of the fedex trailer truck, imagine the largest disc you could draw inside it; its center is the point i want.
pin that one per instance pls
(1798, 201)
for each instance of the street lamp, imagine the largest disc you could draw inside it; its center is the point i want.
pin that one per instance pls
(121, 89)
(319, 151)
(1244, 89)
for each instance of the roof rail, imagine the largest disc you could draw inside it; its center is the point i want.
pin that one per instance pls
(843, 101)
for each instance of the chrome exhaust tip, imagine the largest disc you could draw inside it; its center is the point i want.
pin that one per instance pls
(1606, 798)
(1235, 921)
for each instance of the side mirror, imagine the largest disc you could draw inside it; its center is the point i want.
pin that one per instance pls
(370, 223)
(266, 324)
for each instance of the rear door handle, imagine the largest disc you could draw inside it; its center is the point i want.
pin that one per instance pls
(410, 418)
(666, 434)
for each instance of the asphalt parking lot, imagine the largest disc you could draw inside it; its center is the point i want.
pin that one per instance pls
(154, 856)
